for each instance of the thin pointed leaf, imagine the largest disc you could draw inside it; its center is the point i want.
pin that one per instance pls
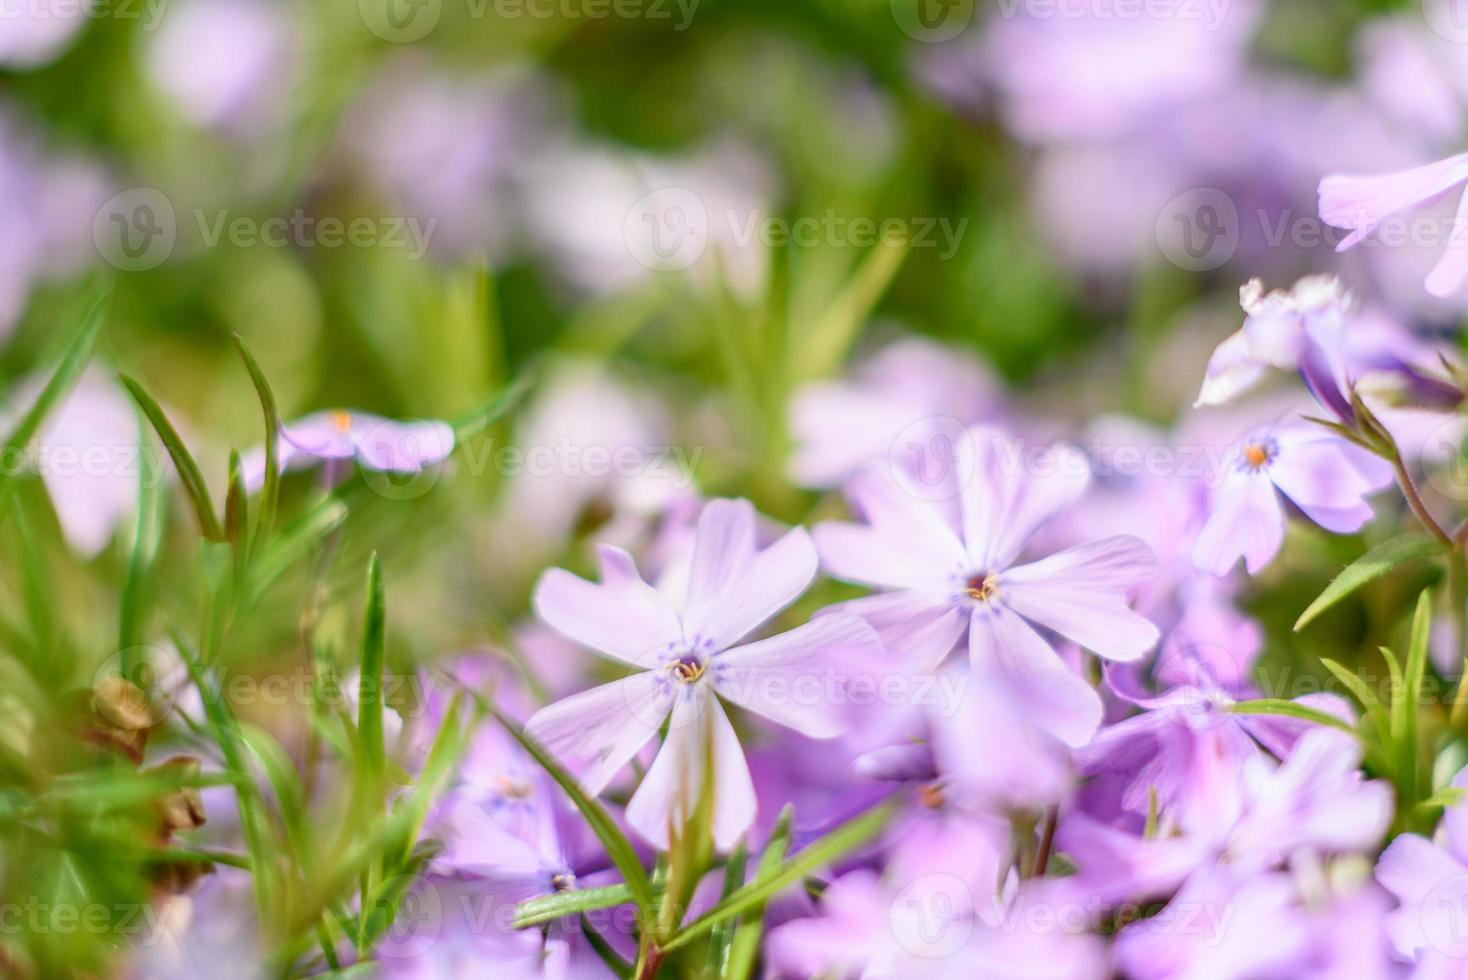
(1411, 699)
(188, 470)
(493, 410)
(548, 908)
(1370, 566)
(619, 848)
(147, 539)
(369, 683)
(1291, 709)
(1362, 692)
(822, 852)
(744, 948)
(270, 490)
(73, 359)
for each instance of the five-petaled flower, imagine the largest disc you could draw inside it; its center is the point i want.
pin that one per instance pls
(687, 652)
(952, 566)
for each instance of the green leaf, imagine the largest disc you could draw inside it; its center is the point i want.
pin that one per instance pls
(147, 539)
(188, 470)
(296, 541)
(369, 685)
(73, 359)
(1410, 701)
(744, 948)
(1370, 703)
(270, 491)
(1370, 566)
(822, 852)
(493, 410)
(723, 935)
(548, 908)
(285, 781)
(1291, 709)
(619, 848)
(826, 341)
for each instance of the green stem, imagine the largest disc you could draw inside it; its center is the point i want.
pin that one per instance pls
(1414, 500)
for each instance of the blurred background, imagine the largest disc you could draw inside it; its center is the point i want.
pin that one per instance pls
(723, 239)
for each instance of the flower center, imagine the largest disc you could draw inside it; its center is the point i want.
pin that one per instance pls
(981, 587)
(341, 421)
(687, 668)
(563, 882)
(1257, 455)
(514, 788)
(931, 796)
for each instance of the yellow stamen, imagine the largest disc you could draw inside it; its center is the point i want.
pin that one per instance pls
(342, 421)
(1256, 455)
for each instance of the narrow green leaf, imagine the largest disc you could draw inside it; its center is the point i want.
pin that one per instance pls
(1291, 709)
(270, 491)
(369, 683)
(147, 539)
(1370, 703)
(183, 461)
(548, 908)
(236, 510)
(73, 360)
(1370, 566)
(493, 410)
(1411, 697)
(822, 852)
(828, 339)
(619, 848)
(296, 541)
(723, 934)
(285, 781)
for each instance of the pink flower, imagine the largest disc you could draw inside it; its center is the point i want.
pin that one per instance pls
(1324, 476)
(1361, 204)
(952, 566)
(337, 437)
(686, 655)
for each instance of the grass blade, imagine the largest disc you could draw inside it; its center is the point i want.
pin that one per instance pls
(73, 359)
(183, 461)
(619, 848)
(548, 908)
(270, 490)
(822, 852)
(1369, 567)
(1291, 709)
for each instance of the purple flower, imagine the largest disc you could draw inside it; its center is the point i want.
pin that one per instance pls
(952, 566)
(225, 63)
(911, 388)
(934, 927)
(1362, 203)
(1320, 473)
(35, 32)
(1297, 329)
(687, 655)
(337, 437)
(88, 455)
(1430, 881)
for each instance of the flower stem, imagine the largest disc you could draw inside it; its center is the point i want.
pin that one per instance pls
(1414, 500)
(1047, 842)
